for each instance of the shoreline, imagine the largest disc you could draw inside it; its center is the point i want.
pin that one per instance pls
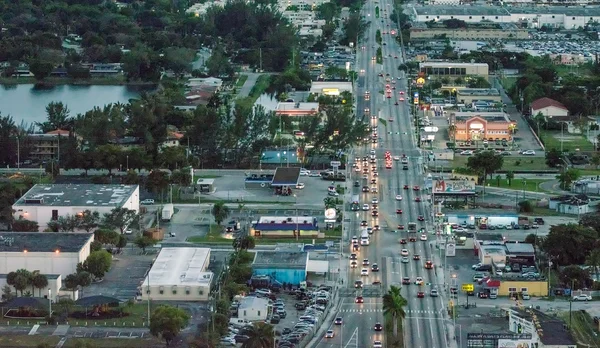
(50, 82)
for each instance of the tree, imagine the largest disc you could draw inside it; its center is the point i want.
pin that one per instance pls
(393, 305)
(67, 223)
(83, 279)
(65, 306)
(553, 158)
(7, 294)
(485, 163)
(591, 220)
(218, 63)
(531, 239)
(22, 225)
(40, 69)
(88, 220)
(178, 59)
(166, 322)
(20, 280)
(121, 243)
(593, 260)
(566, 178)
(220, 212)
(569, 244)
(57, 118)
(108, 157)
(510, 176)
(106, 236)
(97, 263)
(579, 277)
(157, 181)
(244, 243)
(143, 242)
(260, 335)
(71, 282)
(119, 218)
(39, 281)
(181, 177)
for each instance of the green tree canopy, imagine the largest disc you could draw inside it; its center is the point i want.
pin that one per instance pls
(166, 322)
(485, 163)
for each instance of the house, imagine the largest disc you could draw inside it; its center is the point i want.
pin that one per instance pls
(550, 108)
(172, 140)
(254, 309)
(45, 203)
(572, 204)
(49, 253)
(179, 274)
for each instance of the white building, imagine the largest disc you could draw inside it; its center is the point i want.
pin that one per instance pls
(469, 14)
(48, 253)
(254, 309)
(330, 88)
(44, 203)
(550, 108)
(200, 8)
(179, 274)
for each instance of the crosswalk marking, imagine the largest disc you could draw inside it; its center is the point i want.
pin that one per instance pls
(377, 310)
(356, 310)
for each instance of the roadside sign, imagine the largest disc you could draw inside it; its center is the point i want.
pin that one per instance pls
(336, 163)
(468, 287)
(329, 243)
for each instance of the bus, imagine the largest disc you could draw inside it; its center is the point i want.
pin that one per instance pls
(412, 227)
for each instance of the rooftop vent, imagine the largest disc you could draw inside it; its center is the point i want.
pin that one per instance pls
(34, 200)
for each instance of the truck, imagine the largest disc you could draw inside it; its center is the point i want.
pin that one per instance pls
(355, 204)
(412, 227)
(167, 212)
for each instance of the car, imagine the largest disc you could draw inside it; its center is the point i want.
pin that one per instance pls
(416, 188)
(364, 272)
(428, 265)
(401, 92)
(398, 197)
(420, 294)
(402, 241)
(421, 218)
(482, 294)
(416, 257)
(365, 262)
(404, 252)
(375, 201)
(329, 334)
(353, 264)
(405, 167)
(405, 259)
(423, 237)
(395, 103)
(338, 321)
(396, 158)
(467, 152)
(147, 201)
(376, 228)
(417, 199)
(365, 207)
(374, 213)
(433, 293)
(377, 344)
(476, 266)
(378, 327)
(478, 276)
(528, 153)
(400, 227)
(406, 187)
(391, 119)
(359, 299)
(582, 297)
(412, 239)
(374, 268)
(398, 211)
(363, 223)
(333, 193)
(419, 281)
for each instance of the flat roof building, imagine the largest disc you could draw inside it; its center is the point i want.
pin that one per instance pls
(471, 95)
(479, 126)
(454, 69)
(49, 253)
(285, 226)
(45, 203)
(284, 266)
(330, 88)
(297, 109)
(179, 274)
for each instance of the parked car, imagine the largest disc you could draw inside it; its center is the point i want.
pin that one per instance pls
(582, 297)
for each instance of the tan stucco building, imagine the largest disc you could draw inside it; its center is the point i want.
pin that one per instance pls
(482, 126)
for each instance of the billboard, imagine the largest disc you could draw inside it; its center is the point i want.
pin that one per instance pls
(514, 344)
(451, 250)
(416, 98)
(454, 187)
(498, 336)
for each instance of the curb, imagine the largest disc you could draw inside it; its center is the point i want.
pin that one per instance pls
(328, 319)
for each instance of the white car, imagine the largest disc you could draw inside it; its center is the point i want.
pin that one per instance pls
(398, 197)
(419, 281)
(404, 252)
(582, 297)
(476, 266)
(147, 201)
(396, 158)
(467, 152)
(364, 272)
(423, 237)
(329, 334)
(375, 200)
(304, 173)
(377, 344)
(528, 152)
(300, 186)
(354, 240)
(405, 260)
(372, 152)
(365, 207)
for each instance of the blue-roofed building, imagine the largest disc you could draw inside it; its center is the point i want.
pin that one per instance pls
(280, 157)
(283, 266)
(481, 217)
(285, 226)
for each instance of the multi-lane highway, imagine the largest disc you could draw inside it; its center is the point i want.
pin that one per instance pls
(424, 324)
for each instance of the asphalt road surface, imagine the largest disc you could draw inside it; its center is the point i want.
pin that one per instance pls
(424, 326)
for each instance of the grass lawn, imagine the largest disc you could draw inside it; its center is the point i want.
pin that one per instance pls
(510, 163)
(27, 341)
(114, 342)
(135, 318)
(213, 236)
(571, 142)
(583, 328)
(241, 80)
(517, 184)
(261, 85)
(508, 82)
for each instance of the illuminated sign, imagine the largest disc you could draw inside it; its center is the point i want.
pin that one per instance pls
(416, 98)
(331, 91)
(420, 82)
(454, 186)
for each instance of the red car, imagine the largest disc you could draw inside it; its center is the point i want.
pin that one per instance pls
(420, 294)
(429, 265)
(359, 299)
(401, 92)
(400, 227)
(402, 241)
(416, 188)
(412, 239)
(417, 199)
(398, 211)
(406, 187)
(421, 218)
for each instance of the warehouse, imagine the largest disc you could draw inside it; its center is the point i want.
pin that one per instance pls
(45, 203)
(179, 274)
(283, 266)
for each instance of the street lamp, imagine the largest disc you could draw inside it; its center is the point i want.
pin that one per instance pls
(49, 302)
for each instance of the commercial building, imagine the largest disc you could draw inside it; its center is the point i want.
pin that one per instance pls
(330, 88)
(179, 274)
(545, 330)
(285, 266)
(45, 203)
(52, 290)
(475, 126)
(48, 253)
(254, 309)
(453, 69)
(572, 204)
(285, 226)
(521, 253)
(297, 109)
(475, 31)
(469, 14)
(470, 95)
(550, 108)
(45, 147)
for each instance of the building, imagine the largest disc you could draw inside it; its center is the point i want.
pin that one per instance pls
(476, 126)
(330, 88)
(545, 330)
(45, 147)
(521, 253)
(470, 95)
(254, 309)
(453, 69)
(200, 8)
(52, 290)
(572, 204)
(45, 203)
(285, 266)
(475, 31)
(179, 274)
(550, 108)
(285, 226)
(297, 109)
(492, 254)
(469, 14)
(49, 253)
(569, 59)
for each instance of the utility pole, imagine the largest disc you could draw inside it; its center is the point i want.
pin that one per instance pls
(260, 59)
(571, 305)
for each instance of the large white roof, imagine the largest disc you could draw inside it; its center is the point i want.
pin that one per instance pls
(180, 266)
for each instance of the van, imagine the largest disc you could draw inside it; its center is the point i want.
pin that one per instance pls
(236, 322)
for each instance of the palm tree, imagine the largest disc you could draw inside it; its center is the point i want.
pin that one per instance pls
(220, 212)
(39, 281)
(393, 305)
(260, 335)
(593, 260)
(452, 132)
(509, 176)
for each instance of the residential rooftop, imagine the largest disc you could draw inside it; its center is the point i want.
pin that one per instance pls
(483, 92)
(44, 242)
(180, 266)
(273, 259)
(77, 195)
(519, 248)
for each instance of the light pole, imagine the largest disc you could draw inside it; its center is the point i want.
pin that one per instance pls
(18, 153)
(297, 218)
(50, 302)
(127, 162)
